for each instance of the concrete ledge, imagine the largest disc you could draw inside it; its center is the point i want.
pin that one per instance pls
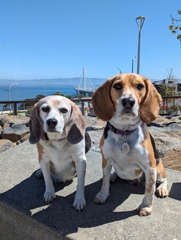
(15, 225)
(24, 215)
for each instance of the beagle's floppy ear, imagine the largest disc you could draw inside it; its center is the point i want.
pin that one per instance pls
(36, 130)
(75, 129)
(102, 103)
(150, 106)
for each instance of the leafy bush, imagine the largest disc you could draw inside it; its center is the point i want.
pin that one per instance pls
(29, 110)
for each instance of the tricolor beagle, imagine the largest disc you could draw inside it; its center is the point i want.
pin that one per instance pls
(127, 102)
(57, 127)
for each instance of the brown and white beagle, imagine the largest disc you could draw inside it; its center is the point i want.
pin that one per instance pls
(128, 102)
(57, 127)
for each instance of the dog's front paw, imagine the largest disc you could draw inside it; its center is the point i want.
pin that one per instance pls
(162, 191)
(49, 196)
(144, 211)
(101, 197)
(79, 202)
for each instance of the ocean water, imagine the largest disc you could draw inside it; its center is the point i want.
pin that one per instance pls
(28, 92)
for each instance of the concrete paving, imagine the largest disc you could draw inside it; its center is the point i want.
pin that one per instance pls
(24, 215)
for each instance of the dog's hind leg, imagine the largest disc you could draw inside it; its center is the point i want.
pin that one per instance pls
(113, 177)
(39, 173)
(161, 178)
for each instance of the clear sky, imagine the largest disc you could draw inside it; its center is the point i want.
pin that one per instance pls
(57, 38)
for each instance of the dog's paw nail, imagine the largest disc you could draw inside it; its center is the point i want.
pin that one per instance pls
(144, 211)
(49, 197)
(39, 173)
(162, 192)
(100, 198)
(79, 204)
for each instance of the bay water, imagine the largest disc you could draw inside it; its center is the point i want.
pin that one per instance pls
(20, 92)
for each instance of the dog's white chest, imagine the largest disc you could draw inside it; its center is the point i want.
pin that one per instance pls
(125, 147)
(61, 154)
(126, 154)
(56, 149)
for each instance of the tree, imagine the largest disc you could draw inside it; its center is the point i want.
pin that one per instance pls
(170, 73)
(80, 95)
(68, 96)
(166, 91)
(175, 26)
(37, 98)
(58, 93)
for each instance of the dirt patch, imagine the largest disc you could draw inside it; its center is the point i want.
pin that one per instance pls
(172, 159)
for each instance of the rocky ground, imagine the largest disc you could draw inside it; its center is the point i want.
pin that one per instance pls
(166, 132)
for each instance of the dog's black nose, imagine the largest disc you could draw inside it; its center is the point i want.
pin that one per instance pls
(52, 122)
(128, 103)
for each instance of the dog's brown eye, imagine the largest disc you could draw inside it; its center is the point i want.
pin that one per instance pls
(139, 87)
(45, 109)
(118, 86)
(63, 110)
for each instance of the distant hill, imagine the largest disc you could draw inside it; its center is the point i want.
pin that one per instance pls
(54, 81)
(58, 81)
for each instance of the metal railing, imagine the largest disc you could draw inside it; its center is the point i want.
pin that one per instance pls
(170, 103)
(15, 103)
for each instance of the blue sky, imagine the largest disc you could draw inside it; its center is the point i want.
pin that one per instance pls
(57, 38)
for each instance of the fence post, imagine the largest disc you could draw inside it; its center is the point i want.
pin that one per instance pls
(15, 108)
(82, 107)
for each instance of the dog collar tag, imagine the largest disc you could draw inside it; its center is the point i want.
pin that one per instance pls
(126, 147)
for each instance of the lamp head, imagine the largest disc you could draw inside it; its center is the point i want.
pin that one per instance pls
(140, 18)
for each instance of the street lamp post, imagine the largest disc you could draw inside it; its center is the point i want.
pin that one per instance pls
(133, 63)
(119, 70)
(44, 90)
(141, 19)
(9, 90)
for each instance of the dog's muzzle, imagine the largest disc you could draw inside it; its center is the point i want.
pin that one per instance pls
(128, 103)
(51, 123)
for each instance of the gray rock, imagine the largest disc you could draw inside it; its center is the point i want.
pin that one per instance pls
(25, 138)
(15, 132)
(168, 128)
(3, 121)
(166, 137)
(174, 114)
(5, 145)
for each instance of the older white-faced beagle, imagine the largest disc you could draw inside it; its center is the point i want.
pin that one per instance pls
(127, 102)
(57, 127)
